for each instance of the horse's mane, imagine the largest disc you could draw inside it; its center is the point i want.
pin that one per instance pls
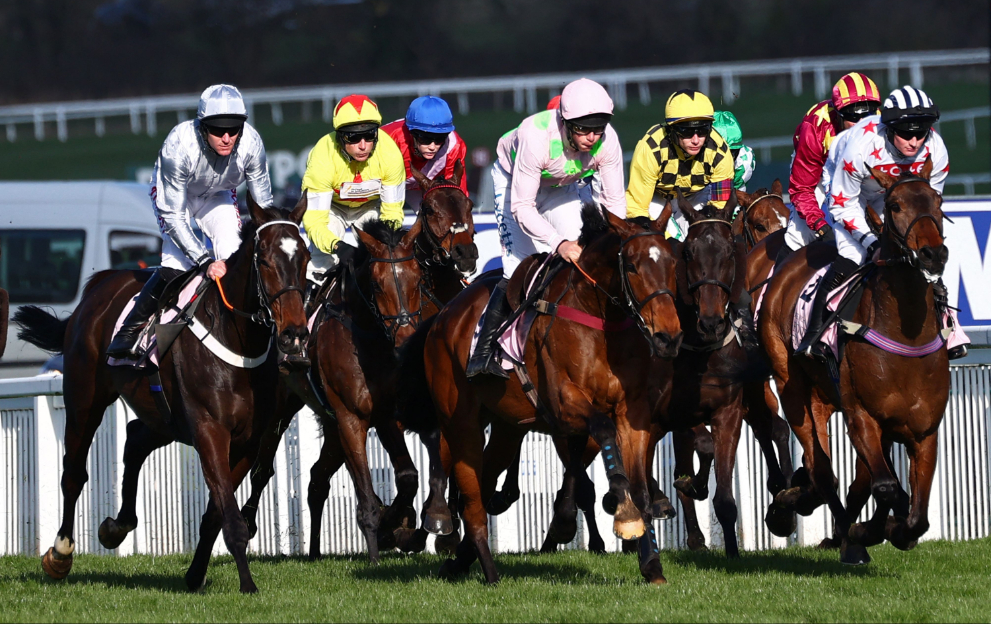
(594, 224)
(383, 233)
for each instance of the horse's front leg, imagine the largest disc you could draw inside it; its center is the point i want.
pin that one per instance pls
(684, 459)
(905, 534)
(564, 523)
(699, 441)
(328, 463)
(436, 516)
(353, 432)
(141, 442)
(400, 515)
(726, 424)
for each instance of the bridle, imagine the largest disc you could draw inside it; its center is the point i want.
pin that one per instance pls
(694, 286)
(264, 315)
(907, 255)
(751, 237)
(635, 306)
(391, 323)
(439, 255)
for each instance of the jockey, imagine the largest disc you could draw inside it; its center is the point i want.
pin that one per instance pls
(855, 96)
(900, 138)
(353, 175)
(428, 143)
(541, 181)
(198, 170)
(725, 123)
(686, 154)
(681, 154)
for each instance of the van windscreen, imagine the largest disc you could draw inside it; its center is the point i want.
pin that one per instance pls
(41, 266)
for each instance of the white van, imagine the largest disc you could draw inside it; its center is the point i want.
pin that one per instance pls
(54, 235)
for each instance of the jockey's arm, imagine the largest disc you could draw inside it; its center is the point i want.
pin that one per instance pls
(941, 163)
(806, 172)
(524, 187)
(610, 174)
(844, 200)
(745, 165)
(643, 181)
(170, 206)
(459, 151)
(393, 194)
(259, 182)
(318, 183)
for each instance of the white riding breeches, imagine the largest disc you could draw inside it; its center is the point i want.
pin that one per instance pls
(339, 220)
(678, 224)
(799, 234)
(560, 205)
(217, 217)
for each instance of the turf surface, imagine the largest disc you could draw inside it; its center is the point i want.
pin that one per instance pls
(938, 581)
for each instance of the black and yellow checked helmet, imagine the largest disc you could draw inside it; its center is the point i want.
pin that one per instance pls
(686, 105)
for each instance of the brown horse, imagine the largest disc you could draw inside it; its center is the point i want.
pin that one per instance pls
(765, 213)
(588, 381)
(223, 419)
(885, 397)
(446, 252)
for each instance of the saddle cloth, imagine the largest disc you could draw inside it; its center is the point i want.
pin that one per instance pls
(830, 337)
(147, 342)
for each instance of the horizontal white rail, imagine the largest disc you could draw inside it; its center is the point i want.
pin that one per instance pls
(172, 495)
(524, 88)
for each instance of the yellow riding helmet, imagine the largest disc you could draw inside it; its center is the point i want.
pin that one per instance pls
(687, 104)
(356, 109)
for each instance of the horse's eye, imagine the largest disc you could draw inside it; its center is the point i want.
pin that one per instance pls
(893, 206)
(264, 263)
(760, 227)
(630, 267)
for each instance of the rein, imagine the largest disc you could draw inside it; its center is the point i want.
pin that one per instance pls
(390, 323)
(441, 255)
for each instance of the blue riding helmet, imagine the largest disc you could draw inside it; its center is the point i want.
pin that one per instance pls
(430, 114)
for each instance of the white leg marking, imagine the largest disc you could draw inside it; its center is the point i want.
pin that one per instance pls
(64, 545)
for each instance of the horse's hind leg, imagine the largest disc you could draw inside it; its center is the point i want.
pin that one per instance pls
(84, 412)
(502, 454)
(564, 523)
(585, 499)
(436, 517)
(141, 442)
(762, 422)
(330, 461)
(660, 505)
(264, 467)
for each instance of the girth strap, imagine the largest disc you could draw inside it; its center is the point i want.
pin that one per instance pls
(571, 314)
(891, 346)
(158, 394)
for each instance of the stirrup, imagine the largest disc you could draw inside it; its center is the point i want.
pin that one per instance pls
(957, 352)
(127, 345)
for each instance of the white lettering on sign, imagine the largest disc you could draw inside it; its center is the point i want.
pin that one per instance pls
(967, 266)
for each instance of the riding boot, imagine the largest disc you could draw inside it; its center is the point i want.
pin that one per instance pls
(310, 296)
(837, 273)
(125, 343)
(483, 359)
(745, 329)
(942, 302)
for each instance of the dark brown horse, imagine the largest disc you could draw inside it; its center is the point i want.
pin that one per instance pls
(222, 419)
(588, 380)
(446, 252)
(885, 397)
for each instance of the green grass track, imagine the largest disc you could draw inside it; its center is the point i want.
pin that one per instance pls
(937, 582)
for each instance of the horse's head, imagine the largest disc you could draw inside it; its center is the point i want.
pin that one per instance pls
(388, 278)
(448, 228)
(637, 255)
(765, 213)
(711, 272)
(280, 258)
(912, 230)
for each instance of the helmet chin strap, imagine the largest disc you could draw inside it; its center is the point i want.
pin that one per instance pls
(571, 137)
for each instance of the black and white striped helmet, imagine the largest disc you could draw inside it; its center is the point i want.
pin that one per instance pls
(909, 106)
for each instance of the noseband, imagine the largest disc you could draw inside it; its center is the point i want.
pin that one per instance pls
(441, 255)
(390, 323)
(635, 306)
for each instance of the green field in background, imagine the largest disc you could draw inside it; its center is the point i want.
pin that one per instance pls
(936, 582)
(764, 110)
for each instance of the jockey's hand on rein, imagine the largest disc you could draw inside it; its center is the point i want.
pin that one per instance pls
(825, 233)
(216, 270)
(570, 251)
(345, 253)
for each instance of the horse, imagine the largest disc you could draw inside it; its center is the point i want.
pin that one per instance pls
(897, 304)
(223, 419)
(764, 211)
(446, 253)
(589, 381)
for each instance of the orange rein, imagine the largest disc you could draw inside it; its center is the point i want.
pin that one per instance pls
(223, 297)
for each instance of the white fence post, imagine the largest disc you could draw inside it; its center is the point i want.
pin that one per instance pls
(49, 457)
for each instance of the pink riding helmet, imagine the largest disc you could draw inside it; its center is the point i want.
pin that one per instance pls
(585, 97)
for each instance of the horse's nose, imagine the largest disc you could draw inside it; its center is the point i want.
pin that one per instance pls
(292, 341)
(466, 257)
(712, 326)
(933, 259)
(666, 345)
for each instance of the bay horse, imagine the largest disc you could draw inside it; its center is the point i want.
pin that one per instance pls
(588, 381)
(223, 419)
(446, 253)
(764, 211)
(885, 396)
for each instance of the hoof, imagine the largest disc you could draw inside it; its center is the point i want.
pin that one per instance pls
(55, 565)
(686, 485)
(411, 540)
(609, 503)
(894, 532)
(438, 524)
(629, 529)
(863, 533)
(450, 570)
(501, 502)
(596, 545)
(249, 587)
(194, 584)
(854, 554)
(780, 521)
(788, 498)
(697, 543)
(652, 573)
(386, 540)
(662, 509)
(112, 534)
(447, 544)
(830, 543)
(562, 531)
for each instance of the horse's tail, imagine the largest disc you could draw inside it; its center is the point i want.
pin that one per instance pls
(42, 329)
(416, 410)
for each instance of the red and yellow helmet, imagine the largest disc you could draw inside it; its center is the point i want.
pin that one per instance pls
(852, 88)
(356, 109)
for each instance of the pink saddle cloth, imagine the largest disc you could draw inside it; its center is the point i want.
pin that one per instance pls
(147, 342)
(830, 337)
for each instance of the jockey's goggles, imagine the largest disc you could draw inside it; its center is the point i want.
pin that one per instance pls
(686, 131)
(351, 138)
(856, 112)
(586, 130)
(429, 138)
(219, 132)
(912, 131)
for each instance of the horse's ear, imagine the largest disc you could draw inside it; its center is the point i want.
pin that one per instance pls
(776, 187)
(661, 223)
(421, 179)
(731, 203)
(874, 220)
(257, 212)
(411, 235)
(743, 199)
(882, 178)
(738, 222)
(927, 169)
(459, 170)
(296, 216)
(367, 240)
(616, 223)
